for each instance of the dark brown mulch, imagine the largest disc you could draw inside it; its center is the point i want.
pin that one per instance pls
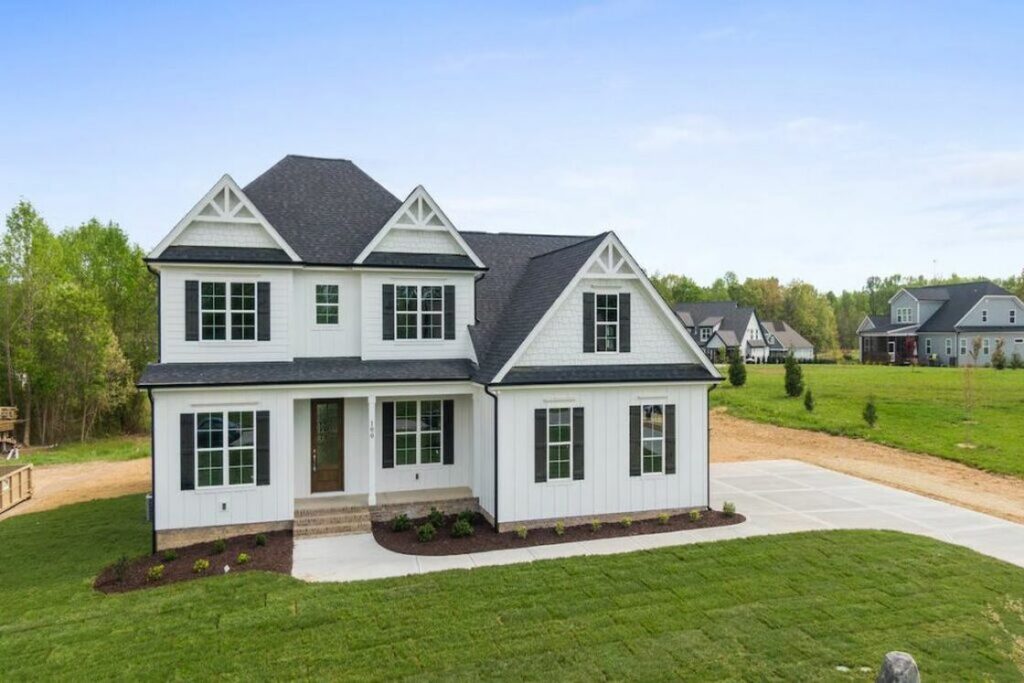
(275, 556)
(486, 538)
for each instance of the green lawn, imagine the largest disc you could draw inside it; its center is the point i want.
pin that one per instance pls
(919, 409)
(126, 447)
(779, 608)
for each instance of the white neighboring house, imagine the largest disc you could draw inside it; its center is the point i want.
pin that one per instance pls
(330, 353)
(722, 326)
(783, 340)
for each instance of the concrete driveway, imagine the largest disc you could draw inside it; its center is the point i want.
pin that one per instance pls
(776, 496)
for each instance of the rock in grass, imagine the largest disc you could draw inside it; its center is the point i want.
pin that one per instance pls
(898, 667)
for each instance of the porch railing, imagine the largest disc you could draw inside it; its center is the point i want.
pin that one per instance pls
(15, 486)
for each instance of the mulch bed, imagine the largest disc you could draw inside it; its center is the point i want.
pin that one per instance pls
(275, 556)
(486, 538)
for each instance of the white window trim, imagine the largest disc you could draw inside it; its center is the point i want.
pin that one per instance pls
(963, 346)
(984, 315)
(336, 306)
(419, 313)
(928, 346)
(227, 310)
(1013, 316)
(419, 434)
(949, 346)
(644, 439)
(616, 325)
(225, 449)
(986, 346)
(547, 450)
(705, 333)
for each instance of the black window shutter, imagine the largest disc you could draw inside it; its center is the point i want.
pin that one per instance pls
(540, 445)
(262, 311)
(588, 322)
(387, 447)
(262, 447)
(634, 441)
(624, 323)
(577, 443)
(448, 432)
(670, 439)
(388, 312)
(191, 310)
(188, 451)
(449, 311)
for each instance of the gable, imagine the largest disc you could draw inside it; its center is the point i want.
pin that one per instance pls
(224, 217)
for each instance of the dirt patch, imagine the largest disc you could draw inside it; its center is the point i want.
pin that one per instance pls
(57, 485)
(486, 538)
(734, 439)
(275, 556)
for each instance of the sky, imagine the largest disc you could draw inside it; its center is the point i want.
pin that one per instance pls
(825, 142)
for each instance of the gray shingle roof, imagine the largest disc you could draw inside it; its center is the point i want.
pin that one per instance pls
(733, 318)
(790, 338)
(959, 298)
(589, 374)
(199, 254)
(397, 259)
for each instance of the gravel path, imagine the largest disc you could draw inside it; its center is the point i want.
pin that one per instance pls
(57, 485)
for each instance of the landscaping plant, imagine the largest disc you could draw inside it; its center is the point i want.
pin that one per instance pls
(559, 528)
(401, 522)
(999, 355)
(870, 413)
(170, 555)
(261, 539)
(201, 566)
(426, 532)
(1016, 362)
(728, 508)
(436, 518)
(243, 558)
(468, 515)
(155, 573)
(595, 525)
(219, 546)
(794, 377)
(809, 400)
(626, 522)
(695, 515)
(737, 369)
(461, 528)
(521, 532)
(121, 568)
(663, 518)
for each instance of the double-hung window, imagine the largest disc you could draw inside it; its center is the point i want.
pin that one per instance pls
(327, 306)
(419, 312)
(949, 346)
(652, 438)
(928, 346)
(606, 321)
(432, 314)
(418, 432)
(705, 333)
(1013, 316)
(963, 346)
(243, 310)
(984, 316)
(904, 315)
(225, 448)
(213, 308)
(559, 443)
(986, 346)
(217, 309)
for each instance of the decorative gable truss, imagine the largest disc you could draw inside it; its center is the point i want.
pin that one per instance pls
(419, 227)
(224, 217)
(612, 262)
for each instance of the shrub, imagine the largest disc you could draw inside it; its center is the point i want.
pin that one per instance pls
(436, 518)
(243, 558)
(809, 401)
(728, 508)
(461, 528)
(468, 515)
(1016, 362)
(663, 518)
(426, 532)
(121, 568)
(626, 522)
(261, 540)
(400, 522)
(695, 515)
(737, 369)
(170, 555)
(219, 546)
(595, 525)
(870, 413)
(559, 528)
(155, 573)
(521, 531)
(200, 566)
(999, 355)
(794, 377)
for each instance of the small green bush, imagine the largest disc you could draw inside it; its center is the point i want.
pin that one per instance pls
(468, 515)
(728, 508)
(595, 525)
(521, 531)
(1016, 362)
(559, 528)
(170, 555)
(870, 413)
(400, 522)
(737, 369)
(155, 573)
(243, 558)
(426, 532)
(201, 566)
(999, 355)
(261, 540)
(461, 528)
(663, 518)
(121, 568)
(626, 522)
(809, 401)
(695, 515)
(436, 518)
(219, 546)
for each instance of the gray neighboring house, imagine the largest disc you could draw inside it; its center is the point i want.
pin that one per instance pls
(721, 326)
(938, 325)
(783, 340)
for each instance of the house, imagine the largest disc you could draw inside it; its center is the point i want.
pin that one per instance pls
(330, 354)
(938, 325)
(723, 326)
(783, 340)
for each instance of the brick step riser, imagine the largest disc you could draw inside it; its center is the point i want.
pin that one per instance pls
(340, 530)
(331, 512)
(332, 523)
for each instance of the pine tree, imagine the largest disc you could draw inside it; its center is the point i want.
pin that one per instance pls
(737, 369)
(870, 412)
(794, 377)
(809, 401)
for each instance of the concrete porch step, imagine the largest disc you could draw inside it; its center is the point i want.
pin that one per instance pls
(348, 513)
(336, 529)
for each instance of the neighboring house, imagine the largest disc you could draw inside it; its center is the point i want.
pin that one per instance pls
(330, 353)
(722, 326)
(784, 340)
(938, 325)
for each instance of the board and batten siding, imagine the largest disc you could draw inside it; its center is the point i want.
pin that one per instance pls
(607, 487)
(313, 340)
(174, 348)
(483, 449)
(652, 339)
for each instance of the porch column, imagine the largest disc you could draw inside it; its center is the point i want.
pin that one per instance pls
(371, 483)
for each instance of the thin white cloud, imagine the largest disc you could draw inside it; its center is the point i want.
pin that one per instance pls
(685, 130)
(812, 129)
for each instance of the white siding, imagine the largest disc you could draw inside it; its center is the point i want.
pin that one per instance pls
(483, 449)
(998, 308)
(310, 339)
(607, 487)
(903, 300)
(375, 348)
(652, 338)
(174, 348)
(420, 242)
(219, 234)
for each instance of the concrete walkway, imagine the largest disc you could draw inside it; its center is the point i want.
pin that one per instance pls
(776, 496)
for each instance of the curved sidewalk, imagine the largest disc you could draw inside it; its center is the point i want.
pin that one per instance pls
(776, 496)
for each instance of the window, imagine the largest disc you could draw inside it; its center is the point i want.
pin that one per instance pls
(963, 346)
(904, 315)
(327, 304)
(417, 432)
(225, 442)
(1013, 316)
(928, 346)
(705, 333)
(216, 308)
(606, 321)
(984, 316)
(419, 312)
(949, 346)
(986, 346)
(652, 438)
(559, 443)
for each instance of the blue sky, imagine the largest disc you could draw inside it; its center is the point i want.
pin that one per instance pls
(819, 141)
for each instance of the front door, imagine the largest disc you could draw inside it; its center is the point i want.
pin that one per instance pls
(327, 429)
(892, 351)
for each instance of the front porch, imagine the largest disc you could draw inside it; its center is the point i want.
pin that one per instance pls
(888, 350)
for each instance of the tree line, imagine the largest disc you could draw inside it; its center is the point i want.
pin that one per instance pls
(77, 327)
(826, 319)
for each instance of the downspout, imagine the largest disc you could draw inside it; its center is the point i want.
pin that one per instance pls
(487, 390)
(152, 464)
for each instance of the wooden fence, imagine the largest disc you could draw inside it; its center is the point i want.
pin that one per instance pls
(15, 486)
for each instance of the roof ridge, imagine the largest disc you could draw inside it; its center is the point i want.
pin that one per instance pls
(570, 246)
(524, 234)
(316, 158)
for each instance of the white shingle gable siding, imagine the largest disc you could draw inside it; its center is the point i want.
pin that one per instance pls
(420, 242)
(203, 233)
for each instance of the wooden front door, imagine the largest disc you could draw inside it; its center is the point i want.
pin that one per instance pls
(327, 447)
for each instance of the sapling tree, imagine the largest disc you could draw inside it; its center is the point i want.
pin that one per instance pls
(870, 413)
(794, 377)
(809, 400)
(737, 369)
